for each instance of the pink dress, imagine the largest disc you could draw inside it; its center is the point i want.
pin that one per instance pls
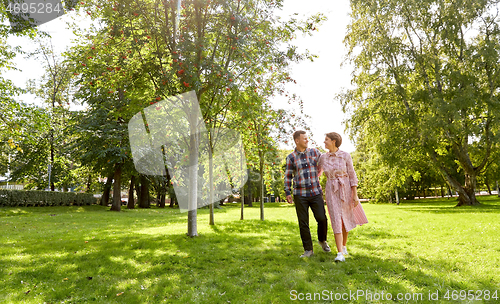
(340, 178)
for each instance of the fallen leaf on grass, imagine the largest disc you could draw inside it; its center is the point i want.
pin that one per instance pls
(65, 279)
(27, 292)
(86, 241)
(89, 278)
(119, 294)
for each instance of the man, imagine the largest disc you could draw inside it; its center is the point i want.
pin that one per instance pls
(302, 167)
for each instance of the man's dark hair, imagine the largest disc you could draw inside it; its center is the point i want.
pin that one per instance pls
(296, 134)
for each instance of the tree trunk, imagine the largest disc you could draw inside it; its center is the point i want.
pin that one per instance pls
(137, 187)
(242, 194)
(397, 196)
(162, 190)
(250, 198)
(144, 198)
(52, 187)
(89, 183)
(498, 190)
(242, 197)
(211, 183)
(162, 201)
(131, 201)
(261, 189)
(107, 188)
(468, 196)
(193, 181)
(117, 185)
(488, 186)
(173, 198)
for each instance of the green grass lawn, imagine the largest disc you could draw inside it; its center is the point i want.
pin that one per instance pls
(88, 254)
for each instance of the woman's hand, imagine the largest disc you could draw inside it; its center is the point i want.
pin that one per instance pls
(355, 198)
(355, 201)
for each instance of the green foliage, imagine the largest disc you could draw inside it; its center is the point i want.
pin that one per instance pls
(379, 180)
(9, 126)
(9, 122)
(424, 90)
(234, 55)
(31, 159)
(31, 198)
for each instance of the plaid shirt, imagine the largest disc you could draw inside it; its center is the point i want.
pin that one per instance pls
(303, 168)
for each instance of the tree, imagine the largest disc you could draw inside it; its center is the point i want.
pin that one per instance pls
(205, 46)
(101, 142)
(262, 122)
(262, 127)
(9, 109)
(379, 181)
(56, 89)
(28, 142)
(426, 84)
(491, 177)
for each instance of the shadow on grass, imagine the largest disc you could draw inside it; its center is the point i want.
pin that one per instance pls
(489, 204)
(249, 261)
(120, 220)
(240, 261)
(408, 274)
(143, 267)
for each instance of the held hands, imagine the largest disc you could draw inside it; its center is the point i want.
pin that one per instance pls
(289, 199)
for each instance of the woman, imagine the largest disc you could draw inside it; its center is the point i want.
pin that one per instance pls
(341, 195)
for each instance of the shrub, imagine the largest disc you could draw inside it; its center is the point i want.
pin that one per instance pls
(32, 198)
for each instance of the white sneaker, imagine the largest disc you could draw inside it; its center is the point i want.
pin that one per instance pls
(344, 251)
(340, 257)
(307, 254)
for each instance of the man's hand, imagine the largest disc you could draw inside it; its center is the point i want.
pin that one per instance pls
(289, 199)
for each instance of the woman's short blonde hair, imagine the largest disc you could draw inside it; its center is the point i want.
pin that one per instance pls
(336, 137)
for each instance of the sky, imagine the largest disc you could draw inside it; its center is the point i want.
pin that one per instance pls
(317, 82)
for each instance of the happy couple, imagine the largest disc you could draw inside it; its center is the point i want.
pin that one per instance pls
(304, 166)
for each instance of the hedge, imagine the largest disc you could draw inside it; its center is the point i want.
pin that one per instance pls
(32, 198)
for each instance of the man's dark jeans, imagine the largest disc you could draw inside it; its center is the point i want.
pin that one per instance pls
(302, 204)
